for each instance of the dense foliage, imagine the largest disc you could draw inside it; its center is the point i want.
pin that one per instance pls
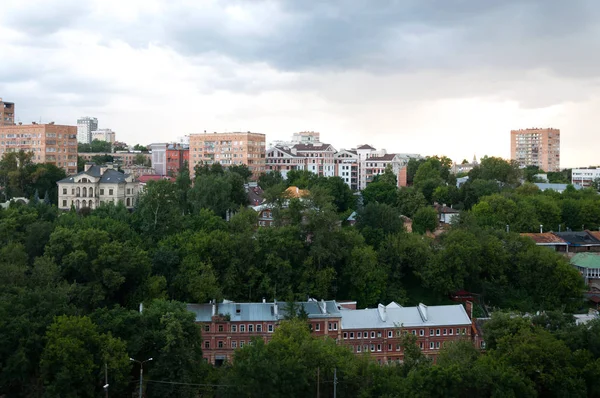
(72, 284)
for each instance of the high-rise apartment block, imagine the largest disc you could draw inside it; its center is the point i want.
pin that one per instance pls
(536, 147)
(7, 113)
(228, 149)
(49, 143)
(104, 135)
(85, 126)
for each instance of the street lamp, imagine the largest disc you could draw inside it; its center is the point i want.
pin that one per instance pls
(141, 371)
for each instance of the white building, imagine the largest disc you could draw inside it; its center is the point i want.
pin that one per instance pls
(97, 185)
(317, 158)
(104, 135)
(159, 158)
(584, 177)
(85, 126)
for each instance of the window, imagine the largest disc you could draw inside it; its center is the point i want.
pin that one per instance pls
(345, 335)
(397, 347)
(242, 344)
(390, 334)
(207, 344)
(242, 330)
(378, 347)
(334, 325)
(451, 331)
(270, 328)
(329, 327)
(366, 348)
(207, 328)
(220, 344)
(482, 345)
(437, 345)
(372, 347)
(358, 347)
(366, 335)
(250, 328)
(437, 332)
(464, 331)
(421, 345)
(414, 332)
(421, 332)
(431, 345)
(457, 331)
(221, 328)
(64, 191)
(259, 328)
(64, 203)
(317, 326)
(372, 335)
(234, 328)
(431, 331)
(389, 347)
(351, 335)
(234, 344)
(101, 191)
(445, 332)
(378, 334)
(110, 191)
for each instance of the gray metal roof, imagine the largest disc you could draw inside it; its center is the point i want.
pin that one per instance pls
(262, 311)
(555, 187)
(394, 315)
(110, 176)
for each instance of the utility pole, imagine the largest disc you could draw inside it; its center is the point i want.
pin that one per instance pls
(141, 373)
(318, 384)
(334, 382)
(106, 378)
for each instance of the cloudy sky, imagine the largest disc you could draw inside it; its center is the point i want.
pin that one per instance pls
(448, 77)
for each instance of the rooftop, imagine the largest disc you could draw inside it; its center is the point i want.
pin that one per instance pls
(365, 147)
(313, 147)
(545, 238)
(586, 260)
(581, 238)
(109, 175)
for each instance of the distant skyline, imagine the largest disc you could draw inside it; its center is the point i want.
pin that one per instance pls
(416, 76)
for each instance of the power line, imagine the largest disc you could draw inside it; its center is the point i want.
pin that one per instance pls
(189, 384)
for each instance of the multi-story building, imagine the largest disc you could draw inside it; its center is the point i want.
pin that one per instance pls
(372, 162)
(536, 147)
(317, 158)
(104, 135)
(177, 156)
(227, 326)
(7, 113)
(49, 143)
(586, 177)
(97, 185)
(228, 149)
(85, 126)
(159, 158)
(306, 137)
(346, 167)
(122, 158)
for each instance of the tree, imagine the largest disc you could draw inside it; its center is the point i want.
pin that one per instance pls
(142, 148)
(496, 169)
(73, 359)
(425, 219)
(376, 220)
(410, 200)
(380, 192)
(157, 212)
(139, 160)
(241, 169)
(270, 179)
(365, 279)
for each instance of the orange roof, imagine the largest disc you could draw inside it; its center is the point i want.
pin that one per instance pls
(295, 192)
(595, 234)
(546, 237)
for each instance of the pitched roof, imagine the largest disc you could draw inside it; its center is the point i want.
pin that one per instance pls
(595, 234)
(387, 156)
(295, 192)
(365, 147)
(110, 176)
(321, 147)
(394, 315)
(545, 238)
(444, 209)
(586, 260)
(581, 238)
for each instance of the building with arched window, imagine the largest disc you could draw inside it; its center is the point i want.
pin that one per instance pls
(97, 185)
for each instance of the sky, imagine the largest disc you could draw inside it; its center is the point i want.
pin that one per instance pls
(435, 77)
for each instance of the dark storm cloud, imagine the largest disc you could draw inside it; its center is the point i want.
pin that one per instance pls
(387, 35)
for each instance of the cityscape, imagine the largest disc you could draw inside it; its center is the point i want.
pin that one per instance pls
(392, 199)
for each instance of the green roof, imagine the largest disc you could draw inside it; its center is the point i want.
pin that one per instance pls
(586, 260)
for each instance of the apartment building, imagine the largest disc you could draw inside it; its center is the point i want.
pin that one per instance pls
(7, 113)
(97, 185)
(317, 158)
(176, 157)
(104, 135)
(346, 167)
(85, 126)
(122, 158)
(536, 147)
(227, 326)
(585, 176)
(228, 149)
(49, 143)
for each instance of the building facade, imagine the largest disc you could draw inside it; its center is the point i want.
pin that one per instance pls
(49, 143)
(104, 135)
(228, 149)
(176, 157)
(85, 126)
(7, 113)
(377, 331)
(586, 177)
(536, 147)
(122, 158)
(97, 185)
(159, 158)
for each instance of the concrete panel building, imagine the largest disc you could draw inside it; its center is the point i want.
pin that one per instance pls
(104, 135)
(7, 113)
(536, 147)
(49, 143)
(585, 177)
(85, 126)
(228, 149)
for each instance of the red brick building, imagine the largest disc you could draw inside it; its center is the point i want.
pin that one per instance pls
(177, 156)
(227, 326)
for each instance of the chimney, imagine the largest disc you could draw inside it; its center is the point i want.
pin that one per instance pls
(275, 308)
(264, 300)
(323, 306)
(214, 307)
(87, 166)
(469, 307)
(141, 307)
